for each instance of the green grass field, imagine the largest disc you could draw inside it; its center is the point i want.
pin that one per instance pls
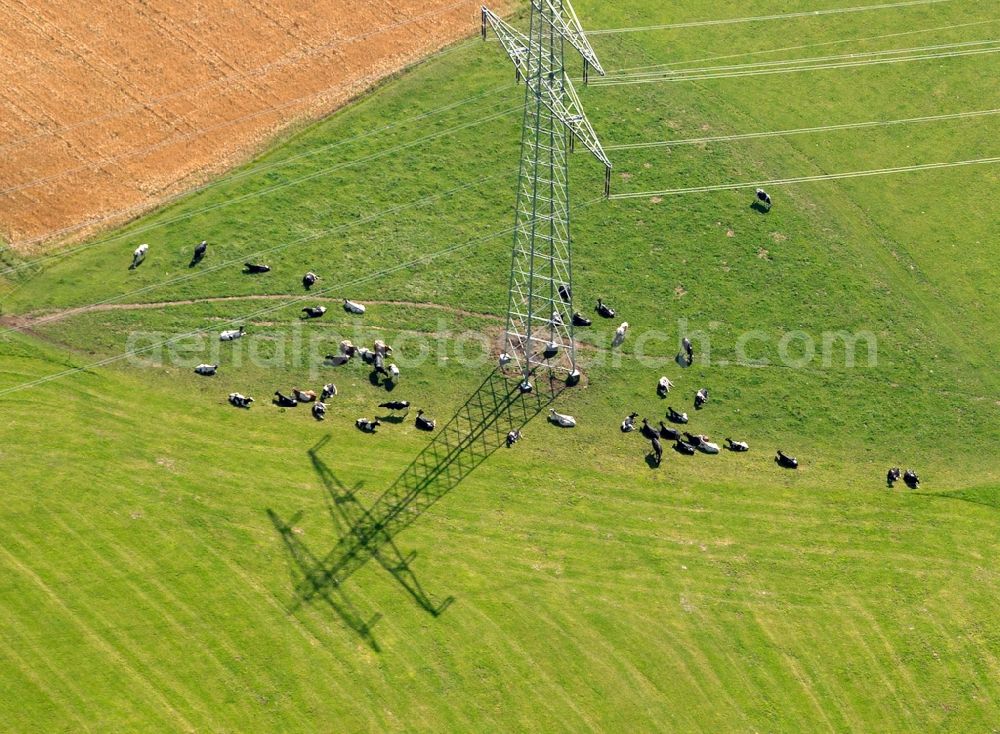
(151, 532)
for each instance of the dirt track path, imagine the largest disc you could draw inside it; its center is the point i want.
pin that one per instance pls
(28, 321)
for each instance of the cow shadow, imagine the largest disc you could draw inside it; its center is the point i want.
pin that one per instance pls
(759, 207)
(379, 380)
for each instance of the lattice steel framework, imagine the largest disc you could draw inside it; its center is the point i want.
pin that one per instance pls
(540, 307)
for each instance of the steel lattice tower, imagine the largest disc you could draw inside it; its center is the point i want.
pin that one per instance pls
(540, 306)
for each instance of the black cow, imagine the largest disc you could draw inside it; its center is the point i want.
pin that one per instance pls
(671, 434)
(395, 404)
(674, 417)
(648, 431)
(685, 449)
(657, 450)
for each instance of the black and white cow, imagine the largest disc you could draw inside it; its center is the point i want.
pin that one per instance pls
(700, 398)
(199, 253)
(604, 310)
(785, 461)
(763, 199)
(674, 417)
(367, 426)
(239, 401)
(737, 445)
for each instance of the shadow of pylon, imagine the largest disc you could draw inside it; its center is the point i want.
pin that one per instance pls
(347, 513)
(307, 565)
(474, 433)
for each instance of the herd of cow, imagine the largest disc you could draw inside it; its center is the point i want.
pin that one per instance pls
(374, 357)
(684, 443)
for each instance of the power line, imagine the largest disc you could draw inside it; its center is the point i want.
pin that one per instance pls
(142, 207)
(276, 248)
(760, 18)
(805, 179)
(816, 67)
(801, 47)
(672, 73)
(245, 197)
(267, 310)
(228, 123)
(802, 130)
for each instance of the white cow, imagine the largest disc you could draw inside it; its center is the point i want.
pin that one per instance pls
(561, 419)
(663, 386)
(620, 334)
(139, 255)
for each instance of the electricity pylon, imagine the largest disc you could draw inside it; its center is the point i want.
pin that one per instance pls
(540, 306)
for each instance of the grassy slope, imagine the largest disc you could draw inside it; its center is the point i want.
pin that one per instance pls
(148, 587)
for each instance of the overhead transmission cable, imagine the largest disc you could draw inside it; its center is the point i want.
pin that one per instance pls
(761, 18)
(670, 73)
(268, 250)
(805, 179)
(789, 70)
(270, 309)
(761, 52)
(253, 195)
(802, 130)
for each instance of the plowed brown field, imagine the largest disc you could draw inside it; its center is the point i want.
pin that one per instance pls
(110, 108)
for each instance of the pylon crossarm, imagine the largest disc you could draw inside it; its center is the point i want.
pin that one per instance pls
(567, 25)
(565, 105)
(514, 42)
